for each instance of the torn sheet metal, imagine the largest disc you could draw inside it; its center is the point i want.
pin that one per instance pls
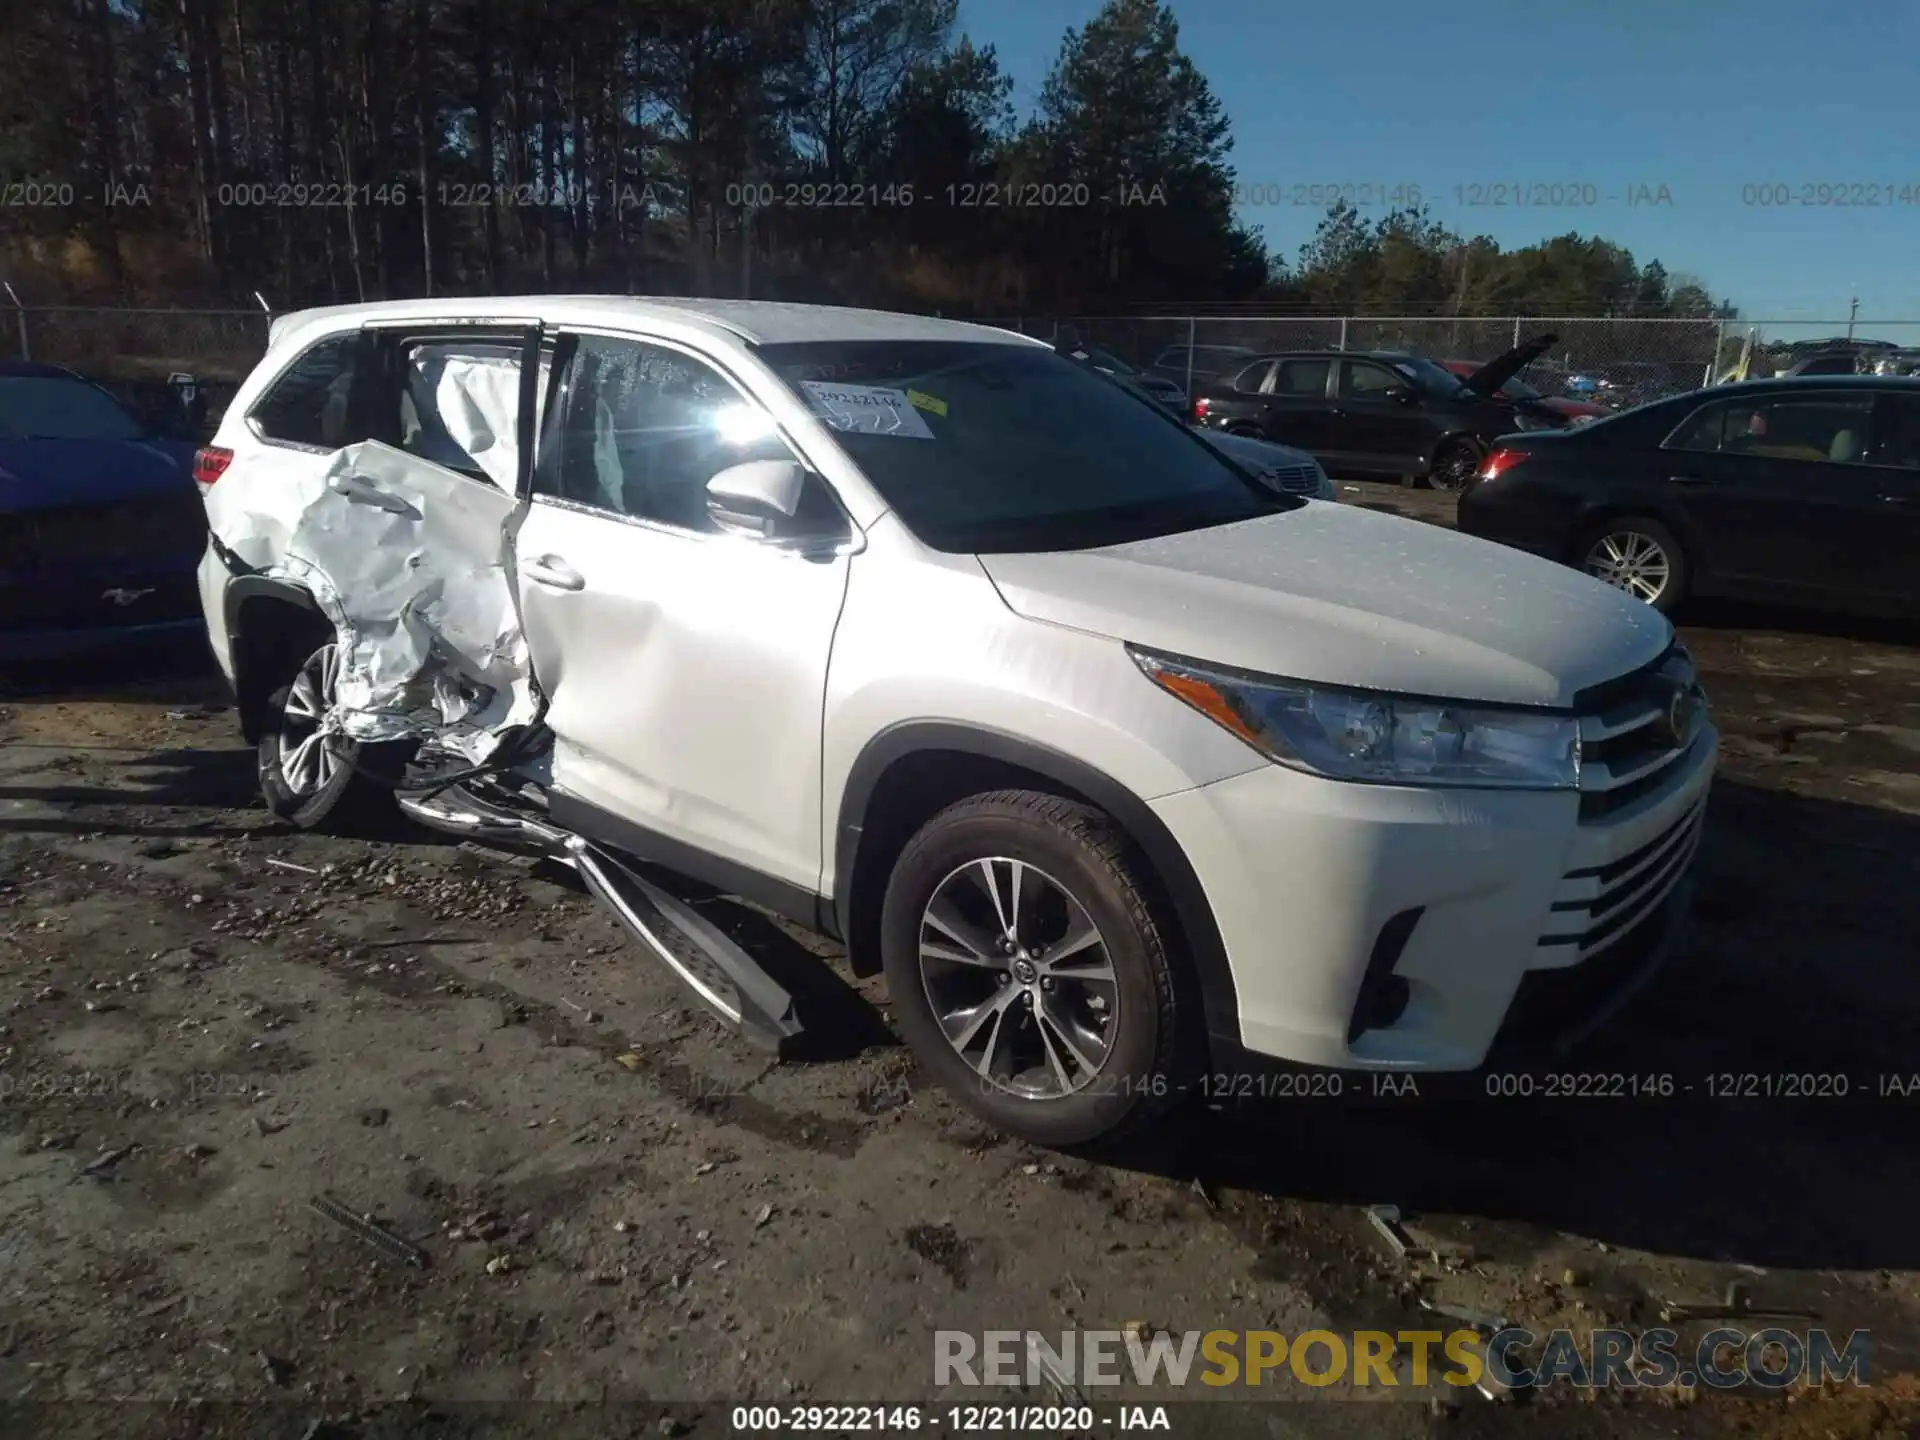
(407, 559)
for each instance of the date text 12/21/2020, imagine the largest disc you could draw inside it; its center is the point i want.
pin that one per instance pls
(1283, 1084)
(970, 195)
(752, 195)
(1073, 1419)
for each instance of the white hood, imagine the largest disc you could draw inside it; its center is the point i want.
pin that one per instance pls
(1351, 597)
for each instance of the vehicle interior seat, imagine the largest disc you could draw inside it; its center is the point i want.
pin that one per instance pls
(1845, 446)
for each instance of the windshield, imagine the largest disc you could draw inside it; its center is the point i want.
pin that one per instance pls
(48, 407)
(1002, 448)
(1433, 379)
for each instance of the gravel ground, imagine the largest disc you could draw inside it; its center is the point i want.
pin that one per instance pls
(207, 1020)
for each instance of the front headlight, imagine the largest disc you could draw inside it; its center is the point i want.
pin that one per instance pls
(1372, 736)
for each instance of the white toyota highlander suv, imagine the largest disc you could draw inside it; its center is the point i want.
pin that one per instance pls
(1127, 770)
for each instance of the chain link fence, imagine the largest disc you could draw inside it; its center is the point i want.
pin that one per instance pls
(1624, 360)
(1615, 361)
(135, 352)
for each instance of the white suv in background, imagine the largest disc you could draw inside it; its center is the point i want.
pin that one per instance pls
(1124, 767)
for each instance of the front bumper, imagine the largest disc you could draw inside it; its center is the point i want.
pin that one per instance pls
(60, 612)
(1482, 893)
(94, 642)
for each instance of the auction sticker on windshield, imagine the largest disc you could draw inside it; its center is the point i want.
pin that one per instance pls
(867, 410)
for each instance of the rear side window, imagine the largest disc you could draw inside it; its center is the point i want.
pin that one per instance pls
(1827, 428)
(1253, 377)
(311, 403)
(459, 407)
(1899, 431)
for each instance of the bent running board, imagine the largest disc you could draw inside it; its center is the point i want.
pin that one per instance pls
(458, 811)
(727, 979)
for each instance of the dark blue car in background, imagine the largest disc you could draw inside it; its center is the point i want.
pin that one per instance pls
(101, 524)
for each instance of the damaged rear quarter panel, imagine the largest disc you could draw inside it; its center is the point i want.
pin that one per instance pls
(407, 560)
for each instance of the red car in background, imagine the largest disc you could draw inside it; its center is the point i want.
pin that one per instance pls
(1518, 389)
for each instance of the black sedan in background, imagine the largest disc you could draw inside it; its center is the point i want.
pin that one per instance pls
(1377, 412)
(1805, 491)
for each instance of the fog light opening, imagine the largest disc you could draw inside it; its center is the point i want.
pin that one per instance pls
(1384, 996)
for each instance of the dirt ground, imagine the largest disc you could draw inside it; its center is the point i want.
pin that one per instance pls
(628, 1222)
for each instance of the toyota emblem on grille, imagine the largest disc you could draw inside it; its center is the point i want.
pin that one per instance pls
(117, 596)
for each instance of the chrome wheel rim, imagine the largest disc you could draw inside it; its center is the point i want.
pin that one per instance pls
(309, 754)
(1633, 562)
(1019, 978)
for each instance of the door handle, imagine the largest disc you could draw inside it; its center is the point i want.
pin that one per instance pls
(1691, 481)
(554, 573)
(356, 489)
(1896, 499)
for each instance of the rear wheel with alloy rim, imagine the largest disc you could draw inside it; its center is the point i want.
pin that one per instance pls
(1455, 466)
(307, 766)
(1639, 556)
(1028, 971)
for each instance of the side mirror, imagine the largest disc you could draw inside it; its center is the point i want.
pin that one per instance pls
(756, 498)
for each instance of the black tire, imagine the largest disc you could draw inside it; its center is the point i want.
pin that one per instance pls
(1455, 464)
(306, 806)
(1144, 1070)
(1624, 528)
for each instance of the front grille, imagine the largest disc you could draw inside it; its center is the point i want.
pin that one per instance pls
(1295, 479)
(97, 602)
(140, 529)
(1555, 1005)
(1629, 741)
(1595, 907)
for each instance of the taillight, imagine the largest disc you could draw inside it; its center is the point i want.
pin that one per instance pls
(1499, 462)
(1200, 408)
(211, 463)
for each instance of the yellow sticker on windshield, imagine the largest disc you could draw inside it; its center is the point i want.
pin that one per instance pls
(930, 403)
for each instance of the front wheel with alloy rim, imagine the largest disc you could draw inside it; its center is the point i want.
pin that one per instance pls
(1027, 969)
(1640, 556)
(307, 767)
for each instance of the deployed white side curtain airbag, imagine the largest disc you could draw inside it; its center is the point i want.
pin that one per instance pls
(465, 406)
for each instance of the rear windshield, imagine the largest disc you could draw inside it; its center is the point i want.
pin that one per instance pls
(983, 447)
(48, 407)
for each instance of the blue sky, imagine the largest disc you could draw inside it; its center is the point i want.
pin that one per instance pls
(1705, 97)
